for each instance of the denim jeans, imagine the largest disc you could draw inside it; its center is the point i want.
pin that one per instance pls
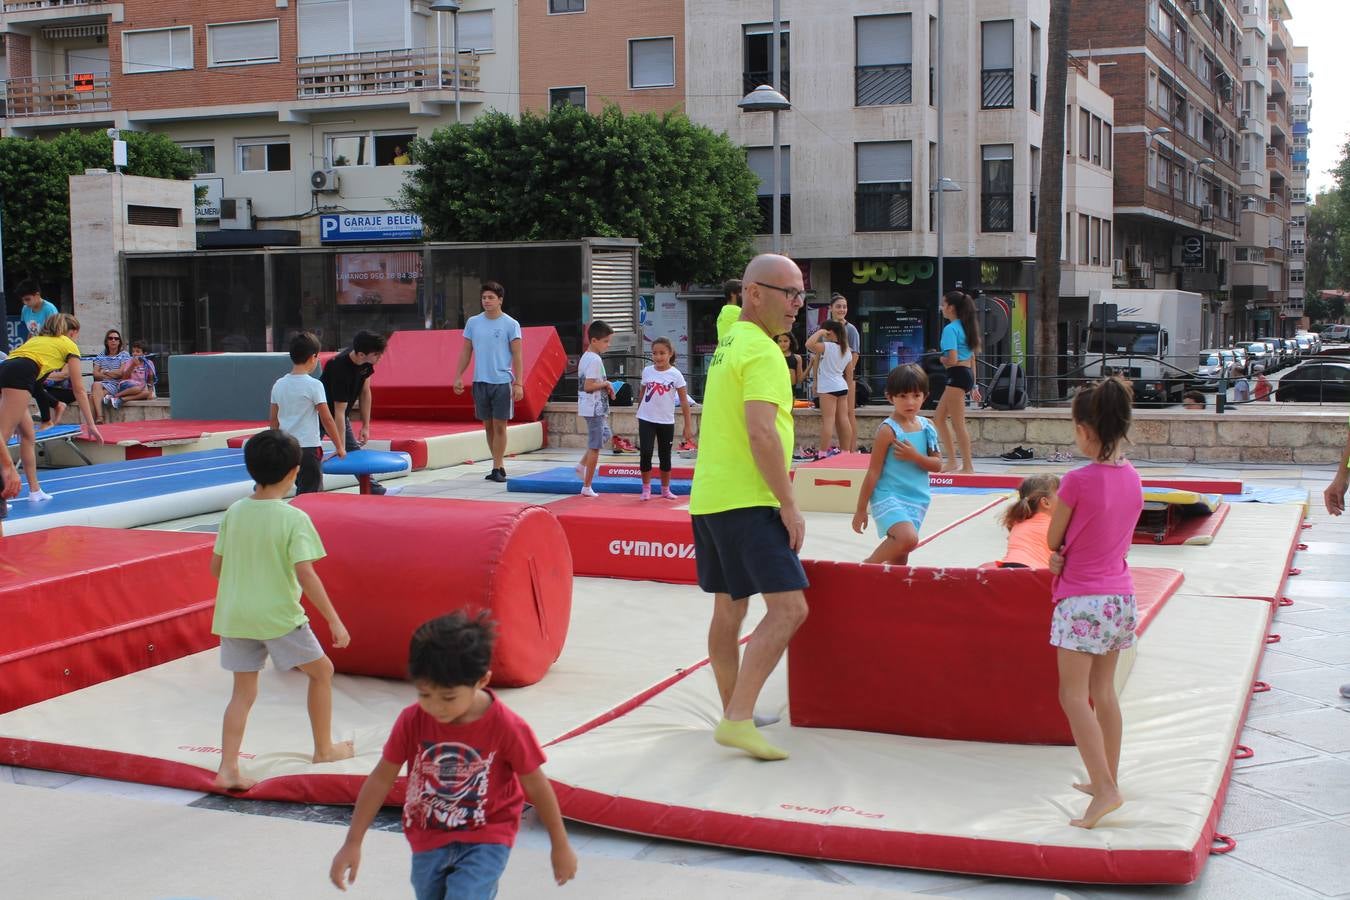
(459, 871)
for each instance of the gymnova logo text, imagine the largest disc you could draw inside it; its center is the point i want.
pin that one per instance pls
(667, 550)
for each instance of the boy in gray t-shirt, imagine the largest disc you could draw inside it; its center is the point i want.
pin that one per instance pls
(299, 407)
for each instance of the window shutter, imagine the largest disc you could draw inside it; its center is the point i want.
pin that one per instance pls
(380, 24)
(884, 162)
(884, 40)
(761, 163)
(998, 45)
(325, 27)
(475, 30)
(612, 297)
(244, 42)
(653, 62)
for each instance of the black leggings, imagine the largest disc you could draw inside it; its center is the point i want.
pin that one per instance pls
(47, 396)
(662, 436)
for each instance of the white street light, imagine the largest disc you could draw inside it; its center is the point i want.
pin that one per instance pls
(765, 99)
(453, 8)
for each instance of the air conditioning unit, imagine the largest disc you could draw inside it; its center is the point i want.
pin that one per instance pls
(324, 181)
(1117, 268)
(1134, 256)
(1206, 212)
(236, 213)
(1248, 61)
(1145, 270)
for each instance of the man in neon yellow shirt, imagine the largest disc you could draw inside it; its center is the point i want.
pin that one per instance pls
(747, 528)
(1334, 498)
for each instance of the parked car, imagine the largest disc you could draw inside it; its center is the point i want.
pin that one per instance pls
(1215, 364)
(1258, 354)
(1338, 334)
(1314, 341)
(1274, 354)
(1323, 380)
(1305, 345)
(1291, 350)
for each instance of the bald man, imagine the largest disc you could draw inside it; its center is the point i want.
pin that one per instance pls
(747, 528)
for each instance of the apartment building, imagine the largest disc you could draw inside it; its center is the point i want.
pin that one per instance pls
(295, 107)
(860, 149)
(1173, 71)
(1088, 261)
(1300, 113)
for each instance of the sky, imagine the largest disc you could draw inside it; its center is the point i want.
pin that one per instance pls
(1321, 26)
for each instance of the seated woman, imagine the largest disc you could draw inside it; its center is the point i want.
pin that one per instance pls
(110, 368)
(1027, 521)
(139, 383)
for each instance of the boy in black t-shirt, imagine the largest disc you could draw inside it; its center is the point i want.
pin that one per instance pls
(346, 380)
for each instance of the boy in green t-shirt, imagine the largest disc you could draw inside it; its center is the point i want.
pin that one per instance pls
(264, 557)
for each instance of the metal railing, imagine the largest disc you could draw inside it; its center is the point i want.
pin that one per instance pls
(996, 88)
(54, 95)
(384, 72)
(752, 79)
(883, 85)
(25, 5)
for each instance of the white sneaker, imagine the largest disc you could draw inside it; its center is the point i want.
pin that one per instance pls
(38, 496)
(588, 492)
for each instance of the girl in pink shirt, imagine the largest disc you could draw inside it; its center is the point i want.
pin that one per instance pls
(1090, 531)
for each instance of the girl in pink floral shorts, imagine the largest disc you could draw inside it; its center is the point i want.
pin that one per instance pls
(1090, 531)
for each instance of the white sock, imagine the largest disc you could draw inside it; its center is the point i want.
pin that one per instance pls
(588, 491)
(38, 496)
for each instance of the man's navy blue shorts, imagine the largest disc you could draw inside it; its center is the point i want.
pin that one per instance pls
(745, 551)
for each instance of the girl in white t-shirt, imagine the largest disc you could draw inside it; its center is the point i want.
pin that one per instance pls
(661, 383)
(834, 372)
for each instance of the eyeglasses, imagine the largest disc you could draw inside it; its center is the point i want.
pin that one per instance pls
(791, 293)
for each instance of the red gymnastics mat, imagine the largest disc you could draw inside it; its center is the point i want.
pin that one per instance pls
(1192, 530)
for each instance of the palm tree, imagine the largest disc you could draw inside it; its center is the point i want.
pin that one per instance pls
(1050, 212)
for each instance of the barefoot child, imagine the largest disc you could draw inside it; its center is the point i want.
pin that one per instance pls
(1090, 531)
(661, 383)
(472, 764)
(593, 395)
(264, 557)
(905, 451)
(1027, 520)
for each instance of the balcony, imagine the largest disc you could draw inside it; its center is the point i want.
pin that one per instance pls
(996, 88)
(57, 95)
(382, 72)
(883, 85)
(36, 12)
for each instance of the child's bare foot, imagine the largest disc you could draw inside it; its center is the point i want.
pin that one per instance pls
(1104, 801)
(233, 781)
(949, 466)
(1084, 786)
(335, 752)
(967, 469)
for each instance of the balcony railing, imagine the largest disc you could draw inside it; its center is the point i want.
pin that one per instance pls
(884, 206)
(996, 88)
(753, 79)
(383, 72)
(884, 85)
(54, 95)
(24, 5)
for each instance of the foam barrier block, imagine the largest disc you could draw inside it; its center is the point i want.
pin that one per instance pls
(953, 654)
(620, 536)
(395, 562)
(83, 605)
(416, 376)
(197, 379)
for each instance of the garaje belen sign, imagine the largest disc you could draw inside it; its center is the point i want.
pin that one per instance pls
(364, 227)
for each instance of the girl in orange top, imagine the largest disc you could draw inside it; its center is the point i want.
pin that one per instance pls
(1027, 520)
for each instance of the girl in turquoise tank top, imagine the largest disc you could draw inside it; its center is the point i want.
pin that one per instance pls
(896, 487)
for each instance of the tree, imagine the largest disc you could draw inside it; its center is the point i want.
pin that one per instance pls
(684, 192)
(35, 187)
(1050, 212)
(1322, 253)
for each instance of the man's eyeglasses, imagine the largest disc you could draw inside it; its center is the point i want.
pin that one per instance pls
(791, 293)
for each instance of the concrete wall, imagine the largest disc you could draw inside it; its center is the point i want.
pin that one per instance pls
(100, 233)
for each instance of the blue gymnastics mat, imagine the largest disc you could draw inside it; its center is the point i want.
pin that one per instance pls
(564, 480)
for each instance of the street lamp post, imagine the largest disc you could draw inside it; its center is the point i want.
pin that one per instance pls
(452, 7)
(940, 187)
(765, 99)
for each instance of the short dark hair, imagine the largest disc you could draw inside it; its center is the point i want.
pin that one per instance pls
(452, 650)
(732, 287)
(908, 379)
(26, 287)
(598, 330)
(304, 347)
(270, 455)
(368, 342)
(1194, 397)
(495, 287)
(140, 345)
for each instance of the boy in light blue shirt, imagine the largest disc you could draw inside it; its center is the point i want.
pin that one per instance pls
(35, 309)
(299, 406)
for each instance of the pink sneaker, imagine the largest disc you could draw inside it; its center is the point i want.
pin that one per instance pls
(646, 492)
(668, 494)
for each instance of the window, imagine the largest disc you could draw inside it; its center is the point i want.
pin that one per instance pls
(156, 50)
(566, 6)
(475, 31)
(996, 188)
(759, 60)
(1106, 240)
(1107, 146)
(996, 77)
(243, 43)
(1035, 67)
(651, 62)
(1153, 89)
(206, 156)
(354, 26)
(365, 148)
(761, 163)
(160, 216)
(1084, 134)
(932, 60)
(1095, 136)
(1153, 168)
(1068, 130)
(884, 200)
(884, 48)
(567, 96)
(1095, 240)
(1084, 250)
(1035, 183)
(264, 156)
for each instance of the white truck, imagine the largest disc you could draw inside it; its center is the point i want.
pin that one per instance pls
(1153, 338)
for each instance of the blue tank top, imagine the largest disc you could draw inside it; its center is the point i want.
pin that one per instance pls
(954, 338)
(905, 482)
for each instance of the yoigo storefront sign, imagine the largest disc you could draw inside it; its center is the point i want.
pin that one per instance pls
(366, 227)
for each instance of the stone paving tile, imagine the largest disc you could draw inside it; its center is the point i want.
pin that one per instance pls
(1302, 586)
(1314, 856)
(1326, 729)
(1328, 547)
(130, 789)
(1292, 631)
(387, 819)
(1319, 685)
(916, 880)
(1276, 702)
(1268, 749)
(1333, 649)
(1247, 810)
(1327, 620)
(1274, 662)
(1320, 784)
(36, 777)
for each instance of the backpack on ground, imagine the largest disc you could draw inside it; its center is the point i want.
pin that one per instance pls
(1008, 389)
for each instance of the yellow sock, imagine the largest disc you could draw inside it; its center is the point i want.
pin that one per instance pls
(743, 735)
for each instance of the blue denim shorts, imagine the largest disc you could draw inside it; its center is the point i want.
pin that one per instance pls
(459, 871)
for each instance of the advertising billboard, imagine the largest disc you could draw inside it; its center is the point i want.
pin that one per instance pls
(378, 279)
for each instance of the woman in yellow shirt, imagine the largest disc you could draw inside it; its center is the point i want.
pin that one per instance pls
(32, 361)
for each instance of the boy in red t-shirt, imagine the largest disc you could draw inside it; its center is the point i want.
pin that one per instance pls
(472, 763)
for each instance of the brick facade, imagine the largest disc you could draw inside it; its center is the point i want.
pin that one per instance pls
(590, 49)
(19, 51)
(203, 85)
